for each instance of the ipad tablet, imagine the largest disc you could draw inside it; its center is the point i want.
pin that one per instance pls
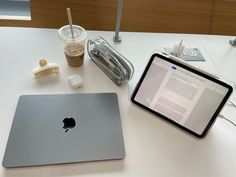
(181, 94)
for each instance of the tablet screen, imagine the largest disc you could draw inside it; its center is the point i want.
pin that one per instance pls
(180, 94)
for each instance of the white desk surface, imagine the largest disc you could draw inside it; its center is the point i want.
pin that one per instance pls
(154, 148)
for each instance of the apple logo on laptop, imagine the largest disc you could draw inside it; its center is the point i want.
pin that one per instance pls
(69, 123)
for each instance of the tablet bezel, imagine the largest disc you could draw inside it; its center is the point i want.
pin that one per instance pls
(193, 70)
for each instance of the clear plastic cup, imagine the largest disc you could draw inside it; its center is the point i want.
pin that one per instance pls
(73, 48)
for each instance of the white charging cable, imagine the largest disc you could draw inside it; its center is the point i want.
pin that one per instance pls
(231, 103)
(223, 117)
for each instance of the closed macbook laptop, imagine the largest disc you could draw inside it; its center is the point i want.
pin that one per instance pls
(65, 128)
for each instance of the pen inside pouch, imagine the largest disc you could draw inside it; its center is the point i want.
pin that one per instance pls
(109, 60)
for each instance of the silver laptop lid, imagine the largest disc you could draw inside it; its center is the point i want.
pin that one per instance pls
(65, 128)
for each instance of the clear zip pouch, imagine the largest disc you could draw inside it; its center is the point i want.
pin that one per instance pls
(119, 69)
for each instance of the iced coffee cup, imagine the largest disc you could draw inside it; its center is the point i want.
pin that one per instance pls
(73, 46)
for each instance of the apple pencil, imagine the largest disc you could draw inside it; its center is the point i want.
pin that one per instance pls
(187, 64)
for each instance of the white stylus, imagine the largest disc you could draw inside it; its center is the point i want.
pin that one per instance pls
(187, 64)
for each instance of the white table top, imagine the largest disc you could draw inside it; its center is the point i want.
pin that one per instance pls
(154, 148)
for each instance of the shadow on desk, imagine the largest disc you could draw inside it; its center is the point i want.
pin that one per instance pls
(66, 169)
